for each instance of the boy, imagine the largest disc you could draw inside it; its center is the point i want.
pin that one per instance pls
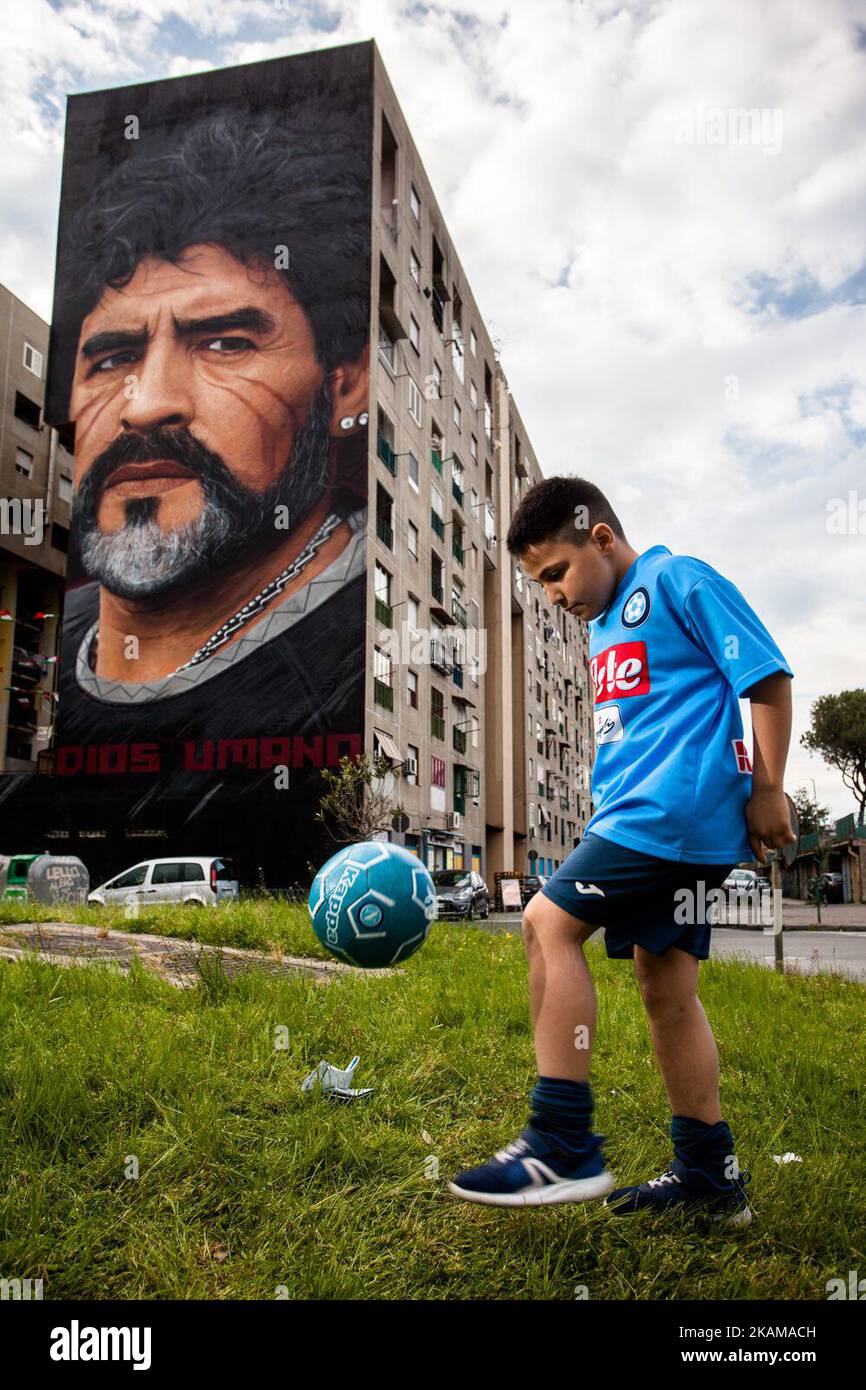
(676, 805)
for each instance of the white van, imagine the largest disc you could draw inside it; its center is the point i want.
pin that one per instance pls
(198, 882)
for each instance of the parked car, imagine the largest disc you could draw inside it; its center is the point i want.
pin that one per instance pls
(460, 893)
(194, 880)
(745, 881)
(530, 884)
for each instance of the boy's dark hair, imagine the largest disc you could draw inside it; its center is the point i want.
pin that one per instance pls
(560, 509)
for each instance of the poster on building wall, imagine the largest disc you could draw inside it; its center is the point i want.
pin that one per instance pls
(210, 346)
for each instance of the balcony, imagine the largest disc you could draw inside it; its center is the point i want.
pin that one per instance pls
(439, 658)
(457, 551)
(383, 694)
(437, 726)
(459, 736)
(438, 524)
(384, 613)
(457, 492)
(458, 611)
(386, 453)
(384, 532)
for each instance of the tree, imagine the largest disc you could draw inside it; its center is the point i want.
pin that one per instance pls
(356, 801)
(814, 819)
(838, 733)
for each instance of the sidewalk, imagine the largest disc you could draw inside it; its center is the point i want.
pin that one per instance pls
(796, 916)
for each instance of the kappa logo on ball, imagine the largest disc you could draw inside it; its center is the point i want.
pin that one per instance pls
(620, 670)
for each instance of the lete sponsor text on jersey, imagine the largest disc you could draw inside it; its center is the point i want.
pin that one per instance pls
(622, 669)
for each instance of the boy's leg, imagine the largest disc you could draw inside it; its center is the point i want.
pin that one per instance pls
(562, 1000)
(557, 1157)
(681, 1035)
(704, 1173)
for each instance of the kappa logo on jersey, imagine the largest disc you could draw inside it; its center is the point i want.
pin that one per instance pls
(608, 725)
(744, 762)
(620, 670)
(636, 608)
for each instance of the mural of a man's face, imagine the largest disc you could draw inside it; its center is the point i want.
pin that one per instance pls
(179, 470)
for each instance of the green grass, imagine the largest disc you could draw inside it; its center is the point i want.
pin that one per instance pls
(245, 1184)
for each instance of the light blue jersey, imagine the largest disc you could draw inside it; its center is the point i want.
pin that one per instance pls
(669, 658)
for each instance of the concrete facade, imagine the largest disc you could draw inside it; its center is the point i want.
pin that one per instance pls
(491, 748)
(35, 493)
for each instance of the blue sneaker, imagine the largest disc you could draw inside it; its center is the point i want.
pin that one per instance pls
(686, 1189)
(535, 1171)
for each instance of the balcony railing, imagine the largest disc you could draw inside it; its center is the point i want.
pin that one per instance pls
(459, 739)
(384, 532)
(458, 611)
(437, 726)
(439, 656)
(457, 550)
(383, 694)
(386, 453)
(457, 492)
(384, 613)
(436, 459)
(438, 524)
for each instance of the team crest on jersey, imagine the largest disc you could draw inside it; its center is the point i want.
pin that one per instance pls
(636, 608)
(608, 724)
(744, 762)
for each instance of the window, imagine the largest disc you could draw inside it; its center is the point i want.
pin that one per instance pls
(457, 358)
(412, 688)
(412, 541)
(386, 348)
(64, 487)
(133, 879)
(381, 666)
(414, 333)
(413, 471)
(415, 203)
(24, 463)
(457, 415)
(33, 360)
(167, 873)
(437, 502)
(473, 342)
(473, 448)
(27, 410)
(473, 394)
(437, 379)
(412, 613)
(382, 584)
(412, 756)
(414, 267)
(414, 401)
(194, 873)
(473, 504)
(437, 772)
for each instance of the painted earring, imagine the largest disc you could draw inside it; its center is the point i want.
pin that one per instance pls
(347, 422)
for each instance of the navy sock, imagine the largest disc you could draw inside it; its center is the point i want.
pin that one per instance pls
(562, 1110)
(709, 1148)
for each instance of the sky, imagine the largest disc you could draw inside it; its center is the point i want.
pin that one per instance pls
(677, 288)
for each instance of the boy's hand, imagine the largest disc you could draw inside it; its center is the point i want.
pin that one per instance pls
(769, 821)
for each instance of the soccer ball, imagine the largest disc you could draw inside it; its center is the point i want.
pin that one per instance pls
(372, 904)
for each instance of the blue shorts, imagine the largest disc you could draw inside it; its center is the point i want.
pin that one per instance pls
(638, 899)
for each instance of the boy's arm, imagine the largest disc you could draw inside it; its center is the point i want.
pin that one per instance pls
(767, 815)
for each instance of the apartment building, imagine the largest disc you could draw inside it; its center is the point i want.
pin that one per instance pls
(478, 690)
(35, 495)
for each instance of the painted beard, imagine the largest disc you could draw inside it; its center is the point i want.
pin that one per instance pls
(142, 561)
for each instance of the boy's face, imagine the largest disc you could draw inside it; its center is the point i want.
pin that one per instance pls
(579, 578)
